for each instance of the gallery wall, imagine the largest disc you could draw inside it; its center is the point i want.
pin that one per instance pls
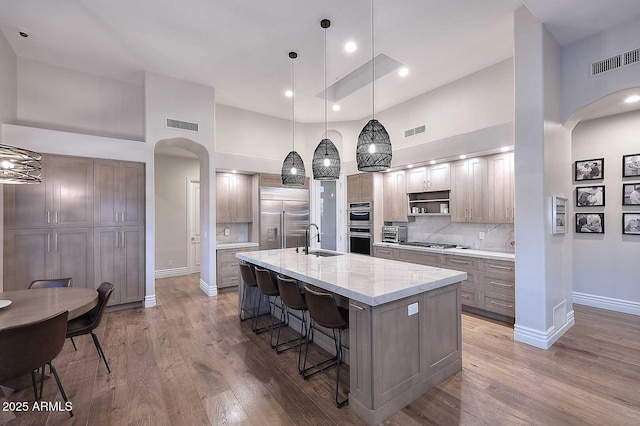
(605, 266)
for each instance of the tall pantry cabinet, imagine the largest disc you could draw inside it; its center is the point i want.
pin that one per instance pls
(52, 228)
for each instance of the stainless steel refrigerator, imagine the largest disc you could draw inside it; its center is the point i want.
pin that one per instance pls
(284, 217)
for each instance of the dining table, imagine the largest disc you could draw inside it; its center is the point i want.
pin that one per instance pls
(25, 306)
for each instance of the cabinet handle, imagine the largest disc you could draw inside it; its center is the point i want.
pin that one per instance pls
(117, 234)
(506, 212)
(508, 268)
(503, 305)
(116, 216)
(360, 308)
(464, 262)
(121, 216)
(48, 243)
(464, 295)
(56, 241)
(122, 245)
(501, 284)
(48, 217)
(57, 216)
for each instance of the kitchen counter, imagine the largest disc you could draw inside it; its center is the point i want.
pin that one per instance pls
(405, 325)
(224, 246)
(370, 280)
(483, 254)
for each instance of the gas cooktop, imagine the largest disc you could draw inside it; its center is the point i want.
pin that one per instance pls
(430, 245)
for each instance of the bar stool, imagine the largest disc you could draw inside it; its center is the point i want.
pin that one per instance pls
(324, 311)
(269, 289)
(293, 299)
(249, 280)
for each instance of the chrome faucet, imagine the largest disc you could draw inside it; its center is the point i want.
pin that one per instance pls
(306, 236)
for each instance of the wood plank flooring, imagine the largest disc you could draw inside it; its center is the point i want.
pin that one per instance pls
(190, 361)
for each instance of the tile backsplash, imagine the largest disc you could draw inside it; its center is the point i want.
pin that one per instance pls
(439, 229)
(239, 232)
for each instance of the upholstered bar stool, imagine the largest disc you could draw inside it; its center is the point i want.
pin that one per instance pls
(293, 299)
(325, 312)
(269, 289)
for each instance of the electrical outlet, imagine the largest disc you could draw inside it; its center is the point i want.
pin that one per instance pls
(481, 235)
(227, 231)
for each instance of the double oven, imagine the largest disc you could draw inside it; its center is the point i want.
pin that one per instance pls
(360, 226)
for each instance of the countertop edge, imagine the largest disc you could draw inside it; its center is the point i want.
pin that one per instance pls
(509, 257)
(224, 246)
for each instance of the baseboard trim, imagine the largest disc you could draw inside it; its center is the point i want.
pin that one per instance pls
(150, 301)
(542, 339)
(609, 303)
(209, 290)
(172, 272)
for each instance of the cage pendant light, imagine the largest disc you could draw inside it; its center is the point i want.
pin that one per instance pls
(373, 152)
(293, 172)
(19, 166)
(326, 158)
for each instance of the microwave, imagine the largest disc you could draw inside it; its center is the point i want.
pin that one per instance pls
(394, 234)
(360, 214)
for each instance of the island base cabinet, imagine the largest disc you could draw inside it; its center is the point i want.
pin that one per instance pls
(400, 350)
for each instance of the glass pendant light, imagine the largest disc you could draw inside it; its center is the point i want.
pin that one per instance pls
(19, 166)
(373, 152)
(326, 158)
(293, 172)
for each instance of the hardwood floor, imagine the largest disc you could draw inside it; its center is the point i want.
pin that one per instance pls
(190, 361)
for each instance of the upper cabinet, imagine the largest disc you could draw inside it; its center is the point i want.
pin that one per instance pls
(395, 198)
(468, 198)
(360, 187)
(63, 199)
(119, 193)
(233, 198)
(500, 193)
(431, 178)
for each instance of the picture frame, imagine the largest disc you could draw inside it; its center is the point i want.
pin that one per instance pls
(630, 223)
(558, 215)
(589, 169)
(589, 223)
(631, 165)
(631, 194)
(590, 196)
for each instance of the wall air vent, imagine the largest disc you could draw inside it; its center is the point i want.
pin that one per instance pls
(420, 129)
(408, 133)
(415, 131)
(613, 63)
(181, 125)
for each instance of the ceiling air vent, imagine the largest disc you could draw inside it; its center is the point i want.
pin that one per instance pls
(408, 133)
(415, 131)
(632, 57)
(182, 125)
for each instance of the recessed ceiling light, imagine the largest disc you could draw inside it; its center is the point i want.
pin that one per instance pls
(504, 149)
(410, 166)
(234, 171)
(350, 46)
(336, 107)
(462, 157)
(432, 162)
(632, 99)
(288, 93)
(403, 72)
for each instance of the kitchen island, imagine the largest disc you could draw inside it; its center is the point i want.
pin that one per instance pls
(405, 322)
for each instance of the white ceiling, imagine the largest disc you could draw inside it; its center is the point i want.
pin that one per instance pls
(241, 47)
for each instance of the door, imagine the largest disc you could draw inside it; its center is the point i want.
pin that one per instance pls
(73, 249)
(459, 191)
(30, 206)
(193, 218)
(27, 256)
(328, 199)
(499, 176)
(478, 190)
(417, 180)
(106, 193)
(439, 177)
(223, 198)
(132, 264)
(296, 220)
(72, 192)
(107, 260)
(270, 224)
(242, 198)
(131, 193)
(353, 188)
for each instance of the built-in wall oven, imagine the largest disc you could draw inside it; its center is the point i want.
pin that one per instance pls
(360, 224)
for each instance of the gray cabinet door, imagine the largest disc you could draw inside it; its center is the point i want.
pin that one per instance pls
(242, 198)
(27, 257)
(30, 206)
(73, 255)
(131, 193)
(106, 243)
(107, 193)
(223, 198)
(132, 264)
(72, 197)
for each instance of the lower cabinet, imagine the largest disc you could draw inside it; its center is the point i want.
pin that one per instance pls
(227, 270)
(119, 259)
(35, 254)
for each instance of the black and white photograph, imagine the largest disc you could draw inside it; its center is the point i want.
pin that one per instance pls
(589, 169)
(631, 223)
(589, 223)
(559, 215)
(631, 165)
(588, 196)
(631, 194)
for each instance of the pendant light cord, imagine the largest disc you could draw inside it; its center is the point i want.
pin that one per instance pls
(373, 64)
(293, 102)
(326, 133)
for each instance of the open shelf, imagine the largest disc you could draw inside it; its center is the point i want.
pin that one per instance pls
(429, 203)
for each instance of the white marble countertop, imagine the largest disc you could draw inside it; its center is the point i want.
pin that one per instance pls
(224, 246)
(366, 279)
(484, 254)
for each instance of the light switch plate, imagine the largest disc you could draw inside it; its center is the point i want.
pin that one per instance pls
(412, 309)
(227, 231)
(481, 235)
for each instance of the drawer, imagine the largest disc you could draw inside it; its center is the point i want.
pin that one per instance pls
(471, 283)
(460, 263)
(384, 253)
(421, 258)
(494, 283)
(230, 254)
(499, 304)
(228, 281)
(497, 267)
(469, 298)
(228, 268)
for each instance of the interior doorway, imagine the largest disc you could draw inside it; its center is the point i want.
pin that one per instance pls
(328, 222)
(193, 225)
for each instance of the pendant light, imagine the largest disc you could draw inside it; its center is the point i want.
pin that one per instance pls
(19, 166)
(373, 152)
(293, 167)
(326, 158)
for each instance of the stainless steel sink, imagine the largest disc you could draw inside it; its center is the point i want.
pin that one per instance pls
(324, 253)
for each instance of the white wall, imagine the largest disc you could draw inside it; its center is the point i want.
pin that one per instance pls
(171, 175)
(605, 266)
(57, 98)
(8, 91)
(578, 88)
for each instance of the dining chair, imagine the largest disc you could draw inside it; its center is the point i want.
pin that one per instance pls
(86, 323)
(58, 282)
(26, 348)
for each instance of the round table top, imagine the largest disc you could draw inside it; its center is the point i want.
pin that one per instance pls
(32, 305)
